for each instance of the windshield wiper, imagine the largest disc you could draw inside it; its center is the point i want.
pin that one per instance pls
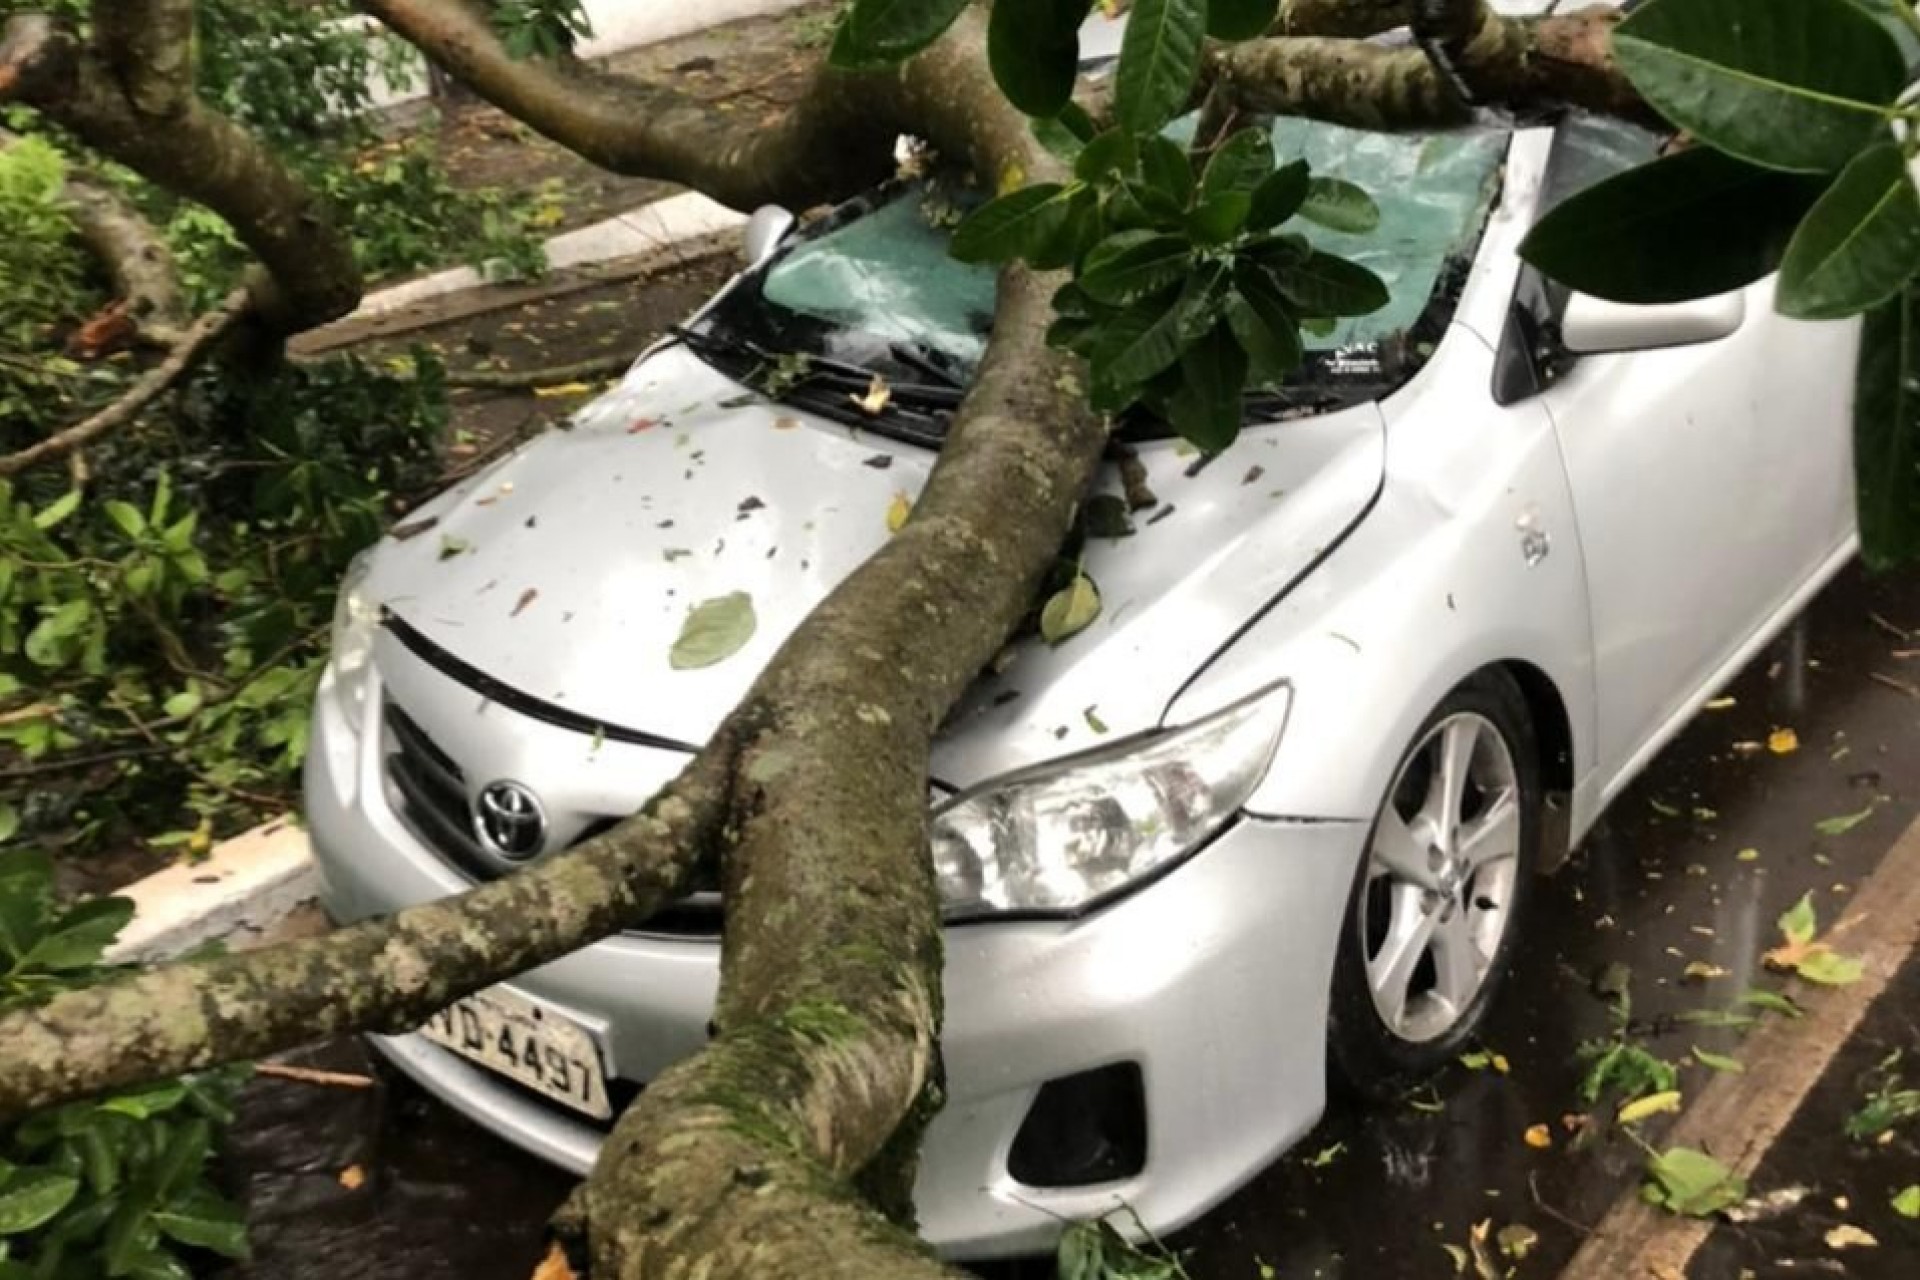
(823, 371)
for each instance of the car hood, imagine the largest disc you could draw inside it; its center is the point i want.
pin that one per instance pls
(567, 569)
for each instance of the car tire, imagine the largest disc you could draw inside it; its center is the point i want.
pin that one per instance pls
(1440, 893)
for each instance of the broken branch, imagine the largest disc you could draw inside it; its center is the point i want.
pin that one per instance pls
(193, 344)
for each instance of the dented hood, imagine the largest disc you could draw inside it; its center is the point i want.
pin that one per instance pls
(567, 569)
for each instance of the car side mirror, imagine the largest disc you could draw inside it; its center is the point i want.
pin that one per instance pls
(767, 227)
(1592, 325)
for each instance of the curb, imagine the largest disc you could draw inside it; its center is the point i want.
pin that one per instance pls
(246, 887)
(643, 229)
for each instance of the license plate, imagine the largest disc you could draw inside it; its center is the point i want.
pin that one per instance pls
(516, 1038)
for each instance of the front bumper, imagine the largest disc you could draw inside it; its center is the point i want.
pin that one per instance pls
(1213, 981)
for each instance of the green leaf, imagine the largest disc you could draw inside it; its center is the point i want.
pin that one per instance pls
(715, 630)
(205, 1221)
(1110, 152)
(1788, 84)
(1159, 58)
(1150, 336)
(1205, 408)
(1079, 230)
(1830, 968)
(1907, 1202)
(127, 516)
(1240, 19)
(1133, 264)
(1279, 196)
(1238, 164)
(1693, 1183)
(1264, 327)
(1164, 166)
(1034, 50)
(878, 33)
(1218, 218)
(1340, 206)
(1798, 923)
(1886, 432)
(1840, 824)
(9, 821)
(79, 938)
(1070, 610)
(1685, 226)
(1079, 1256)
(31, 1197)
(146, 1103)
(1013, 226)
(1324, 285)
(57, 510)
(1772, 1001)
(1664, 1102)
(1859, 244)
(1718, 1061)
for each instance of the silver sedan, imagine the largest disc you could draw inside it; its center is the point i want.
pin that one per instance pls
(1351, 684)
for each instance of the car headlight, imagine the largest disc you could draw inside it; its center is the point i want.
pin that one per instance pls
(355, 619)
(1060, 836)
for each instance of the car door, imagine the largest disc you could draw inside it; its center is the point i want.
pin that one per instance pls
(1710, 480)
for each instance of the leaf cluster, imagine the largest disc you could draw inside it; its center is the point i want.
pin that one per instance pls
(176, 608)
(1801, 164)
(118, 1186)
(1187, 288)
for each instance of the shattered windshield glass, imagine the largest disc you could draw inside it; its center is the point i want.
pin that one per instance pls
(888, 273)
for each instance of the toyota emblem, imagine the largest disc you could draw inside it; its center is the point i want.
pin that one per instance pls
(509, 821)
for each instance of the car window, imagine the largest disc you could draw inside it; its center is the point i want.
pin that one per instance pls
(1588, 148)
(888, 273)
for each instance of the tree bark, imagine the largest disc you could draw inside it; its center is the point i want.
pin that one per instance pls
(838, 139)
(1520, 64)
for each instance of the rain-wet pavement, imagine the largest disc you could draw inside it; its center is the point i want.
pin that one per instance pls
(1694, 863)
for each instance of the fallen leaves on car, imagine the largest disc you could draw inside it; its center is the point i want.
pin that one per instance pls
(714, 631)
(1783, 742)
(353, 1177)
(1840, 824)
(876, 398)
(451, 546)
(527, 597)
(1691, 1183)
(785, 422)
(1907, 1202)
(1802, 954)
(1070, 610)
(897, 511)
(560, 389)
(1848, 1236)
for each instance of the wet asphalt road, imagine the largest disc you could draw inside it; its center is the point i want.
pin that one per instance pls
(1375, 1191)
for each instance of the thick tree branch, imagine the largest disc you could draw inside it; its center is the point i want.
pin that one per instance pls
(384, 974)
(136, 259)
(186, 352)
(1353, 18)
(184, 146)
(1520, 64)
(837, 139)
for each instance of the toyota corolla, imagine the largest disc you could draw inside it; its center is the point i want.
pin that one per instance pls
(1272, 815)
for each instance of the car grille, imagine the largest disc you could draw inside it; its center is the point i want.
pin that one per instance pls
(428, 790)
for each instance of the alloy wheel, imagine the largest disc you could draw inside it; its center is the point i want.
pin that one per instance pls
(1441, 873)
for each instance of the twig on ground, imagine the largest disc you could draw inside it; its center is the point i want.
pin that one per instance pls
(311, 1075)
